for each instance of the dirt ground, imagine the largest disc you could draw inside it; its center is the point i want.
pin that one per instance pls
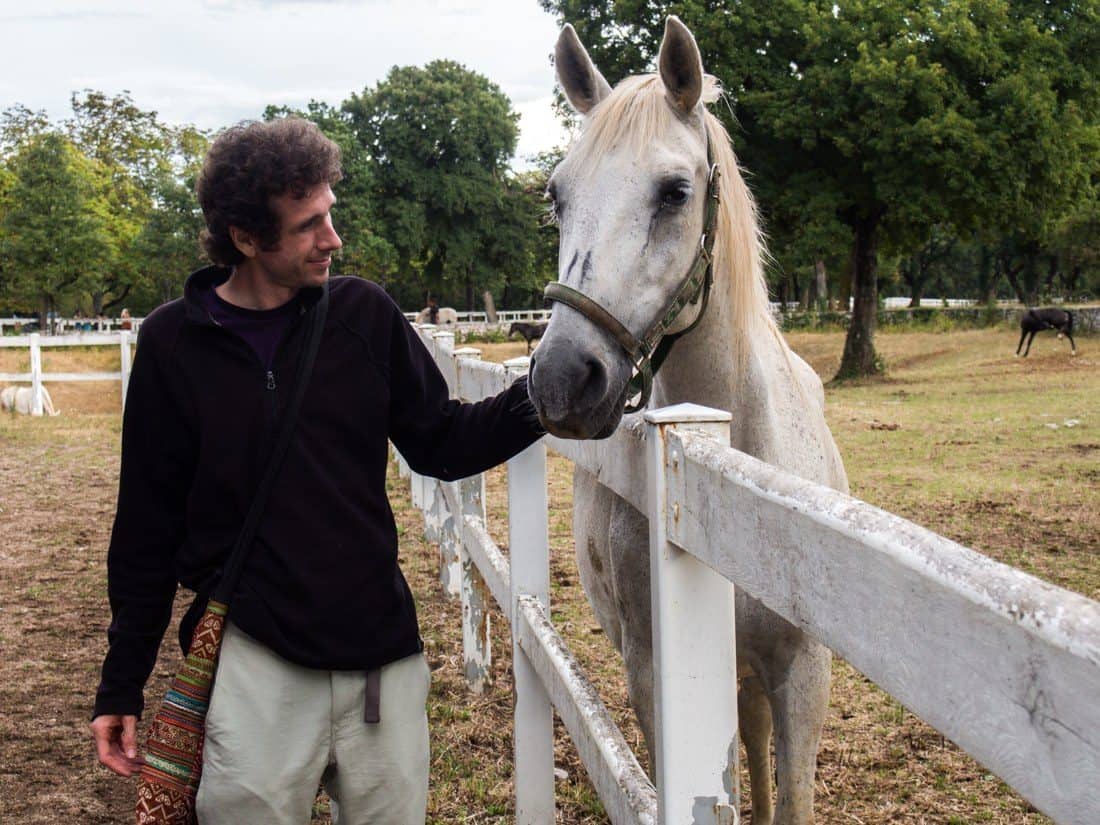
(878, 763)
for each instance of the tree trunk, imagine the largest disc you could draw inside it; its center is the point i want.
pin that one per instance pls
(1071, 279)
(822, 285)
(987, 277)
(859, 357)
(844, 287)
(1052, 273)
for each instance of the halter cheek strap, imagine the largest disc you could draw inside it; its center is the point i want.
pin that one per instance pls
(649, 352)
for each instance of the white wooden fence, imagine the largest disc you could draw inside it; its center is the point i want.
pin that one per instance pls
(65, 326)
(35, 343)
(1003, 664)
(504, 316)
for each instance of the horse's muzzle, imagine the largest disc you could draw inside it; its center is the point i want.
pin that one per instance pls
(573, 392)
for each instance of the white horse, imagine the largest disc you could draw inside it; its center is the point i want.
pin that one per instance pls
(446, 317)
(21, 400)
(632, 198)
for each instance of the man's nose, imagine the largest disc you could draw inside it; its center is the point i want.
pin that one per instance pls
(330, 240)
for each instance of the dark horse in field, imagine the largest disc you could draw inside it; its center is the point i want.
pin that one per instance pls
(529, 331)
(1036, 320)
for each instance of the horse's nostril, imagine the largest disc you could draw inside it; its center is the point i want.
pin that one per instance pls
(593, 382)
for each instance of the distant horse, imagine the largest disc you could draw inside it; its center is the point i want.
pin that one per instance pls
(21, 400)
(638, 207)
(444, 317)
(530, 331)
(1036, 320)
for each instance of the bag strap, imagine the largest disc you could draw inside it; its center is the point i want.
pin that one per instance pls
(232, 571)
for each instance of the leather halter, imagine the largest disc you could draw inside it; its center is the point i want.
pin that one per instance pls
(649, 352)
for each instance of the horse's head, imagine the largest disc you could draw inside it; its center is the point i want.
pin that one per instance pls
(630, 198)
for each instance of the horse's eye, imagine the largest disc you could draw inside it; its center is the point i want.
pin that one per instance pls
(552, 208)
(675, 195)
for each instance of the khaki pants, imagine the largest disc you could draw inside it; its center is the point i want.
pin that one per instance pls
(275, 731)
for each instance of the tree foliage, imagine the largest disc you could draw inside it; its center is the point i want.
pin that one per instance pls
(440, 138)
(111, 187)
(57, 222)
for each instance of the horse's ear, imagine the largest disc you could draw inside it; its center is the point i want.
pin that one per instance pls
(583, 84)
(681, 66)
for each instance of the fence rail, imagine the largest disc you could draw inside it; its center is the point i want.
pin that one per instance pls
(37, 377)
(1005, 665)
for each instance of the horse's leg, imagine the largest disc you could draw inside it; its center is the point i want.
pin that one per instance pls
(1029, 340)
(799, 697)
(1072, 345)
(629, 536)
(591, 520)
(1023, 335)
(755, 723)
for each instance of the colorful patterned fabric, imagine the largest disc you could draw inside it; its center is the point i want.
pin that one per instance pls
(173, 752)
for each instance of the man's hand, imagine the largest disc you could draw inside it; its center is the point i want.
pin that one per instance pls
(116, 743)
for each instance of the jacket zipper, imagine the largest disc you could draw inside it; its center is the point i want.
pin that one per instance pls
(270, 396)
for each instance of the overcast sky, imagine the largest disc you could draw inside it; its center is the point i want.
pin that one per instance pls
(215, 62)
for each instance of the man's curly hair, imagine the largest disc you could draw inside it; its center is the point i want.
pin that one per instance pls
(250, 164)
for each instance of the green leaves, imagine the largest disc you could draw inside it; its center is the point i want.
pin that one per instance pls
(98, 207)
(437, 140)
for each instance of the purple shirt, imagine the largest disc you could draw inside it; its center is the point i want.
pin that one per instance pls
(262, 328)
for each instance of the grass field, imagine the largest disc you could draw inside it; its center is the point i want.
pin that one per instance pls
(999, 453)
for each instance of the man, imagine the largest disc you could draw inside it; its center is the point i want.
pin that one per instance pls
(321, 602)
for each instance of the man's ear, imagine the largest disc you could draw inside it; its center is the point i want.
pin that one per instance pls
(243, 241)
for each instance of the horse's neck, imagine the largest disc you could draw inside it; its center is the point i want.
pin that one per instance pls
(710, 365)
(719, 366)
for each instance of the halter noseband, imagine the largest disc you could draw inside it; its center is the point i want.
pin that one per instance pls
(650, 351)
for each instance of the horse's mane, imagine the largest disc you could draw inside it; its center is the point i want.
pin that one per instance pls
(637, 111)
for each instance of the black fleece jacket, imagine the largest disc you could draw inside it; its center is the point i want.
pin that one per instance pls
(322, 586)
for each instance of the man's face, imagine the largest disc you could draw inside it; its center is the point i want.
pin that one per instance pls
(302, 256)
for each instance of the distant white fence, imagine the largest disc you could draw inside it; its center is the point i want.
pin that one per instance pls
(1005, 665)
(504, 316)
(36, 343)
(67, 326)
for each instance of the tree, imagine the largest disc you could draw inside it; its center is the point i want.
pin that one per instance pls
(440, 138)
(136, 150)
(900, 115)
(18, 126)
(56, 223)
(920, 267)
(168, 246)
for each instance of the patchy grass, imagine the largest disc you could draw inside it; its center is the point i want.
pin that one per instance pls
(957, 436)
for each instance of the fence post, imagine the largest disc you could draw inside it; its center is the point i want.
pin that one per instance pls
(694, 662)
(528, 553)
(450, 543)
(431, 497)
(125, 364)
(36, 374)
(477, 653)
